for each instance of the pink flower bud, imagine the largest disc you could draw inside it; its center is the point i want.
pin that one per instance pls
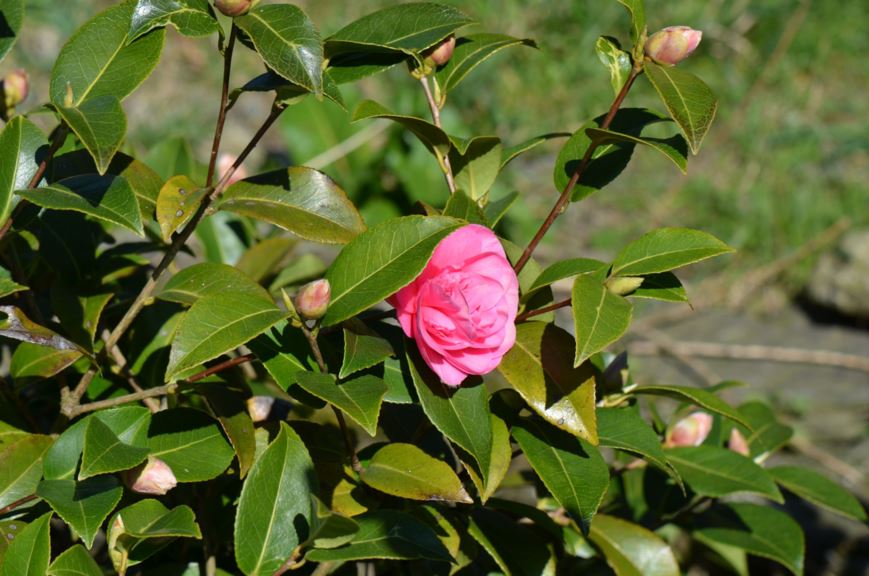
(672, 44)
(259, 407)
(738, 443)
(313, 299)
(225, 162)
(442, 53)
(233, 8)
(15, 88)
(152, 477)
(691, 430)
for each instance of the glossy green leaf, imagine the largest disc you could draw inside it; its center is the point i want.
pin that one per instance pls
(178, 200)
(499, 462)
(274, 508)
(20, 144)
(462, 414)
(22, 467)
(277, 349)
(228, 403)
(386, 534)
(617, 61)
(190, 17)
(470, 52)
(208, 279)
(103, 452)
(28, 554)
(665, 249)
(7, 285)
(714, 471)
(263, 260)
(673, 148)
(107, 198)
(599, 316)
(190, 443)
(538, 367)
(459, 205)
(97, 60)
(10, 433)
(688, 99)
(34, 362)
(513, 152)
(571, 469)
(74, 561)
(625, 429)
(638, 18)
(497, 209)
(632, 550)
(696, 396)
(144, 528)
(288, 43)
(360, 398)
(818, 489)
(286, 92)
(664, 286)
(405, 471)
(302, 200)
(397, 385)
(476, 167)
(329, 530)
(100, 124)
(430, 135)
(759, 530)
(363, 348)
(380, 261)
(16, 325)
(565, 269)
(83, 505)
(516, 549)
(766, 433)
(12, 13)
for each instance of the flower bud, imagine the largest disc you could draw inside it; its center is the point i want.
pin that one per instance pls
(672, 44)
(233, 8)
(15, 88)
(738, 443)
(442, 53)
(259, 407)
(152, 477)
(623, 285)
(225, 162)
(313, 299)
(691, 430)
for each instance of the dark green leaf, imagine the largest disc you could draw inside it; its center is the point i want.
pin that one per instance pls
(688, 99)
(103, 452)
(499, 462)
(22, 467)
(286, 92)
(190, 17)
(264, 259)
(599, 316)
(615, 59)
(470, 52)
(625, 429)
(405, 471)
(516, 549)
(360, 398)
(74, 561)
(83, 505)
(302, 200)
(350, 67)
(97, 61)
(380, 261)
(496, 209)
(476, 167)
(818, 489)
(190, 443)
(228, 403)
(330, 530)
(665, 249)
(430, 135)
(638, 18)
(363, 348)
(176, 203)
(765, 434)
(514, 151)
(673, 148)
(277, 350)
(7, 285)
(632, 550)
(664, 286)
(12, 13)
(144, 528)
(461, 206)
(274, 510)
(565, 269)
(28, 554)
(34, 362)
(714, 471)
(288, 43)
(696, 396)
(20, 144)
(208, 279)
(397, 384)
(100, 124)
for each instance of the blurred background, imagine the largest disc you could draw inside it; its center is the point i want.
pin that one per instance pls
(782, 177)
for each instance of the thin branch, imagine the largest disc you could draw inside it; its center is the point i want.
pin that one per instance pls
(224, 97)
(121, 362)
(134, 397)
(564, 199)
(436, 118)
(20, 502)
(531, 313)
(221, 367)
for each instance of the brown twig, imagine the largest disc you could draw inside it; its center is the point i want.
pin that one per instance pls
(221, 367)
(21, 501)
(121, 362)
(127, 398)
(436, 118)
(224, 98)
(531, 313)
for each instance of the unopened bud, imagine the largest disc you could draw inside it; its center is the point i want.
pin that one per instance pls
(672, 44)
(738, 443)
(691, 430)
(442, 53)
(623, 285)
(259, 407)
(16, 85)
(313, 299)
(152, 477)
(233, 8)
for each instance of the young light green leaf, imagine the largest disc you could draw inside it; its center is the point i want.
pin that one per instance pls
(476, 167)
(100, 124)
(599, 316)
(190, 443)
(499, 462)
(190, 17)
(177, 201)
(664, 286)
(625, 429)
(517, 550)
(274, 508)
(538, 367)
(380, 261)
(288, 42)
(673, 148)
(714, 471)
(98, 61)
(766, 434)
(405, 471)
(632, 550)
(74, 561)
(470, 52)
(665, 249)
(696, 396)
(363, 348)
(20, 142)
(759, 530)
(430, 135)
(638, 18)
(28, 554)
(83, 505)
(103, 452)
(615, 59)
(12, 12)
(571, 469)
(33, 362)
(688, 99)
(818, 489)
(144, 528)
(302, 200)
(565, 269)
(22, 467)
(360, 398)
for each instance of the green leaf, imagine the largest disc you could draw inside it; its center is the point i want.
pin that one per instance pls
(302, 200)
(228, 403)
(765, 434)
(100, 124)
(380, 261)
(12, 13)
(538, 367)
(98, 61)
(74, 561)
(7, 285)
(363, 348)
(665, 249)
(599, 316)
(625, 429)
(34, 362)
(615, 59)
(632, 550)
(696, 396)
(714, 471)
(274, 510)
(664, 286)
(190, 443)
(103, 452)
(288, 43)
(20, 144)
(462, 414)
(277, 350)
(673, 148)
(430, 135)
(405, 471)
(83, 505)
(107, 198)
(208, 279)
(497, 209)
(22, 467)
(16, 325)
(461, 206)
(408, 28)
(329, 530)
(389, 535)
(476, 167)
(173, 156)
(565, 269)
(28, 554)
(286, 92)
(516, 549)
(638, 18)
(688, 99)
(571, 469)
(79, 315)
(512, 152)
(178, 200)
(818, 489)
(470, 52)
(190, 17)
(759, 530)
(499, 461)
(397, 385)
(264, 259)
(144, 528)
(360, 398)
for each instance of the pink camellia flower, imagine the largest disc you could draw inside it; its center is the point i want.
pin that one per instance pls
(672, 44)
(691, 430)
(461, 309)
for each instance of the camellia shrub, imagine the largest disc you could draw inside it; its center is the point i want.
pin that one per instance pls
(417, 410)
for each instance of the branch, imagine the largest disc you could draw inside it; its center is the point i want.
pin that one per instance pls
(224, 97)
(531, 313)
(134, 397)
(444, 160)
(20, 502)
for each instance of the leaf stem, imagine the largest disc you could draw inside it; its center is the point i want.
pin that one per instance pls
(444, 160)
(530, 313)
(224, 97)
(564, 199)
(20, 502)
